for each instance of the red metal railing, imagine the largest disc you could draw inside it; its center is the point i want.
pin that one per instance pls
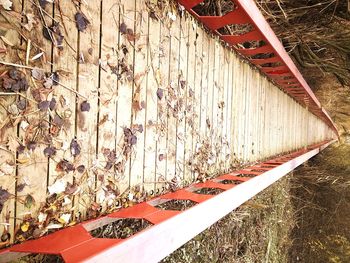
(170, 229)
(285, 74)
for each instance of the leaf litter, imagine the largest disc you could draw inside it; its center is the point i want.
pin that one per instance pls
(51, 115)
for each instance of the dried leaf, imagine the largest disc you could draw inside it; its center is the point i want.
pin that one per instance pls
(58, 187)
(30, 22)
(29, 201)
(53, 103)
(160, 94)
(70, 189)
(44, 105)
(65, 166)
(48, 83)
(6, 41)
(42, 217)
(6, 169)
(54, 226)
(6, 4)
(4, 196)
(75, 148)
(132, 140)
(161, 157)
(123, 28)
(25, 226)
(43, 3)
(140, 128)
(50, 151)
(12, 144)
(172, 16)
(81, 21)
(20, 187)
(37, 56)
(64, 219)
(21, 104)
(38, 74)
(31, 145)
(13, 109)
(58, 121)
(85, 106)
(81, 168)
(20, 149)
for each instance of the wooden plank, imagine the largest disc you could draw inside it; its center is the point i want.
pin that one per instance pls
(207, 48)
(250, 122)
(215, 129)
(259, 112)
(244, 108)
(211, 82)
(108, 88)
(235, 110)
(144, 98)
(126, 142)
(200, 85)
(226, 114)
(191, 117)
(220, 108)
(65, 63)
(33, 169)
(162, 124)
(182, 99)
(154, 83)
(88, 81)
(8, 132)
(173, 99)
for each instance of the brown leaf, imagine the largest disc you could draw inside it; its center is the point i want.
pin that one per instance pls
(81, 168)
(70, 189)
(65, 166)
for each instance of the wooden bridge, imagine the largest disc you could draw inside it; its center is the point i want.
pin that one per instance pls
(122, 101)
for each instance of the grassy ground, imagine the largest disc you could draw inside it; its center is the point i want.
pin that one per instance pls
(256, 232)
(321, 198)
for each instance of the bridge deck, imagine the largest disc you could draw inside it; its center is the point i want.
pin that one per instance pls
(142, 96)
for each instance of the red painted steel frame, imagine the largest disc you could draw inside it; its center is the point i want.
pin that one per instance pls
(171, 229)
(246, 12)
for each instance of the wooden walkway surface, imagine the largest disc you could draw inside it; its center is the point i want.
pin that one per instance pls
(124, 99)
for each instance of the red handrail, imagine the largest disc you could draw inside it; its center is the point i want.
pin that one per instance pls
(248, 12)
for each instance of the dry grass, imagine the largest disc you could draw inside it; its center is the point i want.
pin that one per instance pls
(321, 196)
(258, 231)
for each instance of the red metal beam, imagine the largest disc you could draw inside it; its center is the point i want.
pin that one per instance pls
(171, 229)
